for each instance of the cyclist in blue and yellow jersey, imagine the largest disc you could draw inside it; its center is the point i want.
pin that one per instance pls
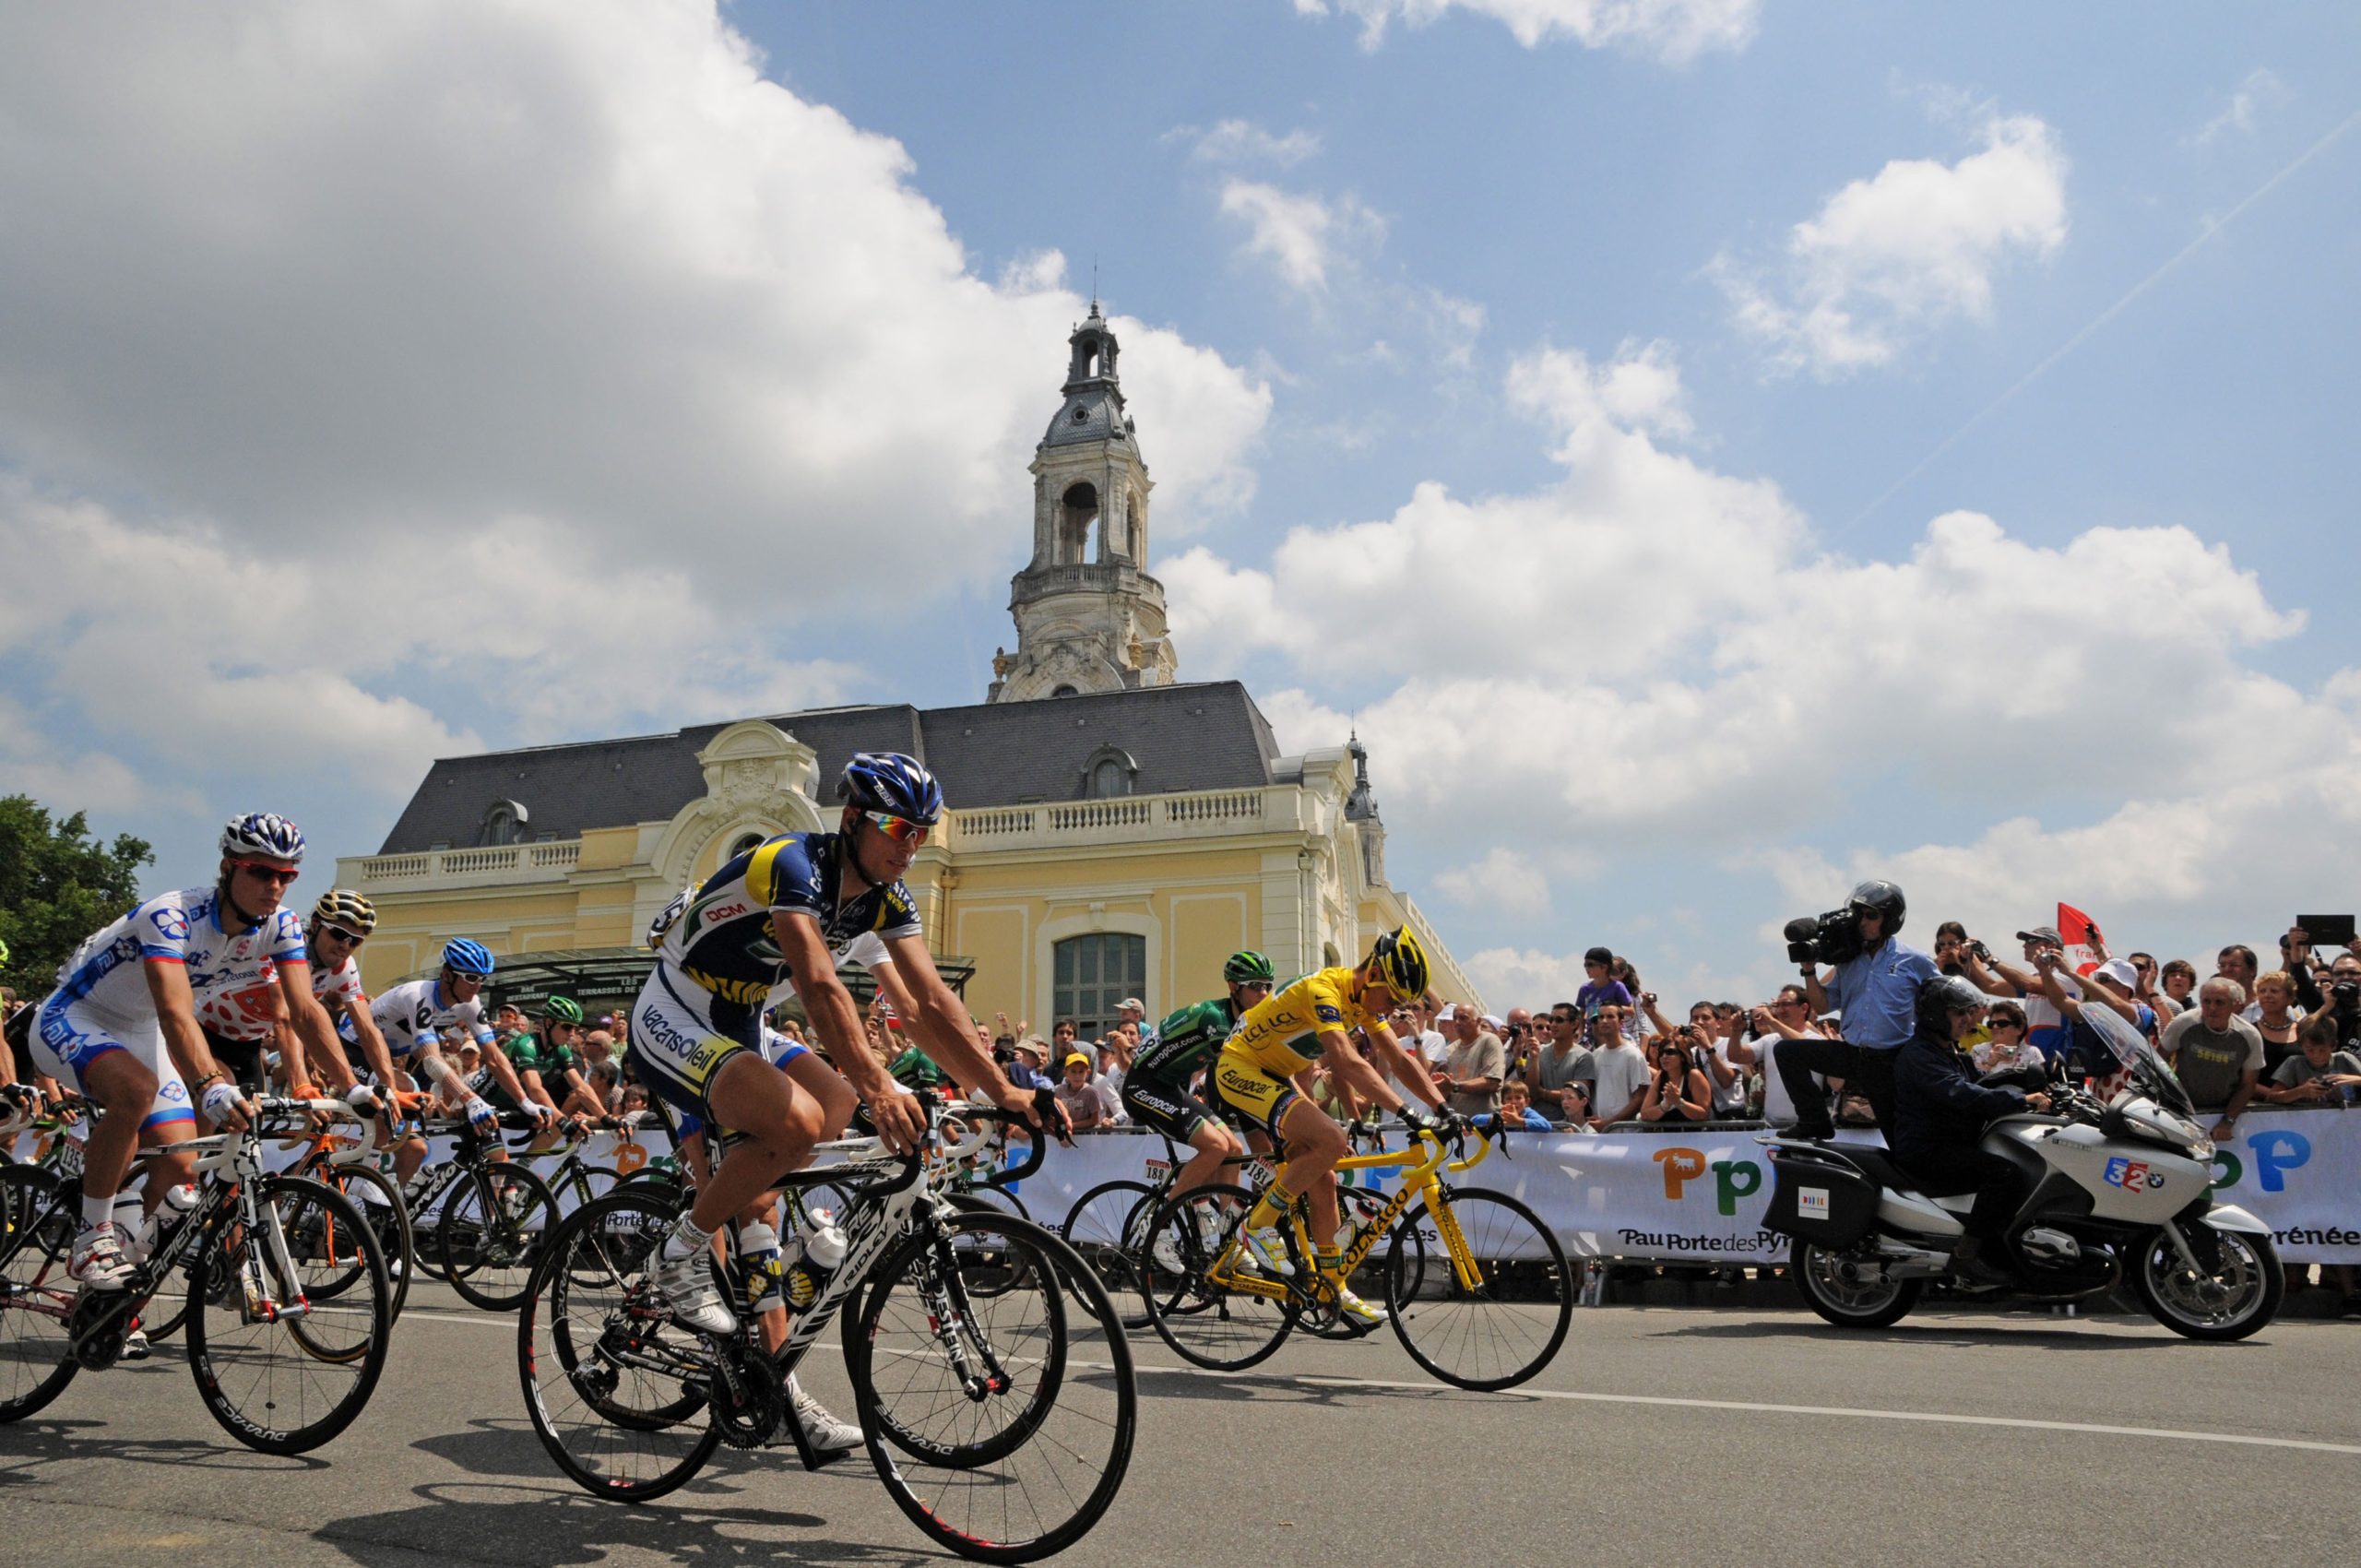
(1261, 1076)
(767, 916)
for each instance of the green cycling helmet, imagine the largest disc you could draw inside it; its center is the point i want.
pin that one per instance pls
(561, 1010)
(1247, 967)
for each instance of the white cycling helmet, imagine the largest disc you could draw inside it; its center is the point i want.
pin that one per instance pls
(262, 833)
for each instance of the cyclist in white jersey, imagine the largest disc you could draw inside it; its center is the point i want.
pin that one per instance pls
(125, 1027)
(340, 922)
(413, 1015)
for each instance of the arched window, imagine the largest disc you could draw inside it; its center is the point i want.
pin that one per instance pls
(1094, 972)
(745, 842)
(503, 822)
(1078, 511)
(1109, 774)
(1065, 692)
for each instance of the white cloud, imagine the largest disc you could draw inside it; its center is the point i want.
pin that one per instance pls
(525, 358)
(1298, 233)
(1890, 259)
(1675, 31)
(1503, 883)
(1676, 670)
(2257, 89)
(1243, 141)
(417, 266)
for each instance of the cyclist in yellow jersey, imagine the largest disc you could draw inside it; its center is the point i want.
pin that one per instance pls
(1260, 1076)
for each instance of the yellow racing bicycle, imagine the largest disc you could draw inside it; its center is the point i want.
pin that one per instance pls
(1475, 1285)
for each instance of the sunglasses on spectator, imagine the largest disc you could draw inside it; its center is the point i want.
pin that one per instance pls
(2004, 1024)
(348, 938)
(900, 829)
(278, 876)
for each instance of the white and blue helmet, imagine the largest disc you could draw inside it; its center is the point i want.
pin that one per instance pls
(265, 833)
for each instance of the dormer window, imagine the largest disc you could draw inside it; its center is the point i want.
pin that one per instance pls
(1110, 774)
(503, 822)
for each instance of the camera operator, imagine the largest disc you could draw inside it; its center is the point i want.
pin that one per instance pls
(1876, 992)
(1940, 1114)
(2341, 997)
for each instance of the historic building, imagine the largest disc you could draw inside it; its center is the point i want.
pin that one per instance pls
(1112, 831)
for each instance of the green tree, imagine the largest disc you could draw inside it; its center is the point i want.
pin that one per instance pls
(57, 885)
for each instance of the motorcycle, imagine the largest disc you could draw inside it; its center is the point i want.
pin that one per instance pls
(2120, 1187)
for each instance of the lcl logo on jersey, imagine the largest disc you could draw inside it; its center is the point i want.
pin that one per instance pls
(2133, 1175)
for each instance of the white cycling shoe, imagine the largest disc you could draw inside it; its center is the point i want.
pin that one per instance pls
(826, 1434)
(1269, 1251)
(98, 1263)
(1368, 1314)
(695, 1300)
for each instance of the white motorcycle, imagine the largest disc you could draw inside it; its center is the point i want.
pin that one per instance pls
(2123, 1187)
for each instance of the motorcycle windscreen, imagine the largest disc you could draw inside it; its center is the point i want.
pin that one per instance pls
(2131, 1049)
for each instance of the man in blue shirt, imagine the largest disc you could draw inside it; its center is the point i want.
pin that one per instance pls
(1877, 993)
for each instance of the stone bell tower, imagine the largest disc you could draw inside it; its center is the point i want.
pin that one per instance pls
(1088, 616)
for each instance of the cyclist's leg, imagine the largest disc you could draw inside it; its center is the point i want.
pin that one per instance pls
(1315, 1141)
(1182, 1117)
(811, 1074)
(772, 1130)
(113, 1074)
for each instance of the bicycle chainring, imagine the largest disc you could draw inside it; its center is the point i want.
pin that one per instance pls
(749, 1398)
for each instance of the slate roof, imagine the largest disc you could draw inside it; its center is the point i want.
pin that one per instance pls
(1206, 735)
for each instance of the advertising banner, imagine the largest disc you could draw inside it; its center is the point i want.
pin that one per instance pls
(1693, 1196)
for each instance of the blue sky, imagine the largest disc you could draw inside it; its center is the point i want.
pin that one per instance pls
(1548, 387)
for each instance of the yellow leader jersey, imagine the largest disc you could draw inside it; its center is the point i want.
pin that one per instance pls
(1281, 1034)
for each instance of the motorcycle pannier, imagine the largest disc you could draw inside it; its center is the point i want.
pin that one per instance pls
(1824, 1204)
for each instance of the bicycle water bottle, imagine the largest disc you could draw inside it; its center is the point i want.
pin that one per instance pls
(758, 1252)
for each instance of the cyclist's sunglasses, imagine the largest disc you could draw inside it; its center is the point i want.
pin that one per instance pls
(349, 939)
(278, 876)
(900, 829)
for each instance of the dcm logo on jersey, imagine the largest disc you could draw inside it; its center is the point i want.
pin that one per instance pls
(2131, 1175)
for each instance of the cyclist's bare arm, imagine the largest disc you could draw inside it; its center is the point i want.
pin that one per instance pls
(1402, 1067)
(1360, 1078)
(941, 1024)
(311, 1034)
(836, 1024)
(373, 1049)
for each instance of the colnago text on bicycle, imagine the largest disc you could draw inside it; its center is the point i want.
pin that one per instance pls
(772, 916)
(127, 1028)
(1259, 1077)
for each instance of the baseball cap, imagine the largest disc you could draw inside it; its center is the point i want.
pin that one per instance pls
(2120, 971)
(1033, 1047)
(2042, 934)
(1494, 1021)
(1450, 1011)
(1077, 1056)
(1134, 1003)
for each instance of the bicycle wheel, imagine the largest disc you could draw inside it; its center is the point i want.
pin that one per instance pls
(1217, 1310)
(990, 1271)
(992, 1436)
(380, 1202)
(38, 1215)
(491, 1233)
(281, 1369)
(1494, 1298)
(617, 1392)
(1107, 1226)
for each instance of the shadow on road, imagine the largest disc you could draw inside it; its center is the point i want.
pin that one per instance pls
(29, 1448)
(1180, 1382)
(2019, 1332)
(468, 1521)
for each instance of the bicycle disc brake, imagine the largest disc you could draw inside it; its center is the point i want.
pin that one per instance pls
(750, 1399)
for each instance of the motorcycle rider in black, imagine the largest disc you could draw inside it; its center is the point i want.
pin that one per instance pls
(1940, 1114)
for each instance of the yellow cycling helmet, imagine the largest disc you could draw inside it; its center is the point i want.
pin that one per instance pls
(343, 907)
(1401, 963)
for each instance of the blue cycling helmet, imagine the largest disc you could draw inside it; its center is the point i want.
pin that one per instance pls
(892, 783)
(464, 957)
(261, 833)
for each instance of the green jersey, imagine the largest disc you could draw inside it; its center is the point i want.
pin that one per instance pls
(529, 1053)
(1184, 1042)
(915, 1069)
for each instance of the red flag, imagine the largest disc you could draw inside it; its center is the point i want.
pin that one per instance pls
(2082, 936)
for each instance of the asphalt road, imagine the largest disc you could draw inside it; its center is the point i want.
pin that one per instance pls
(1659, 1433)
